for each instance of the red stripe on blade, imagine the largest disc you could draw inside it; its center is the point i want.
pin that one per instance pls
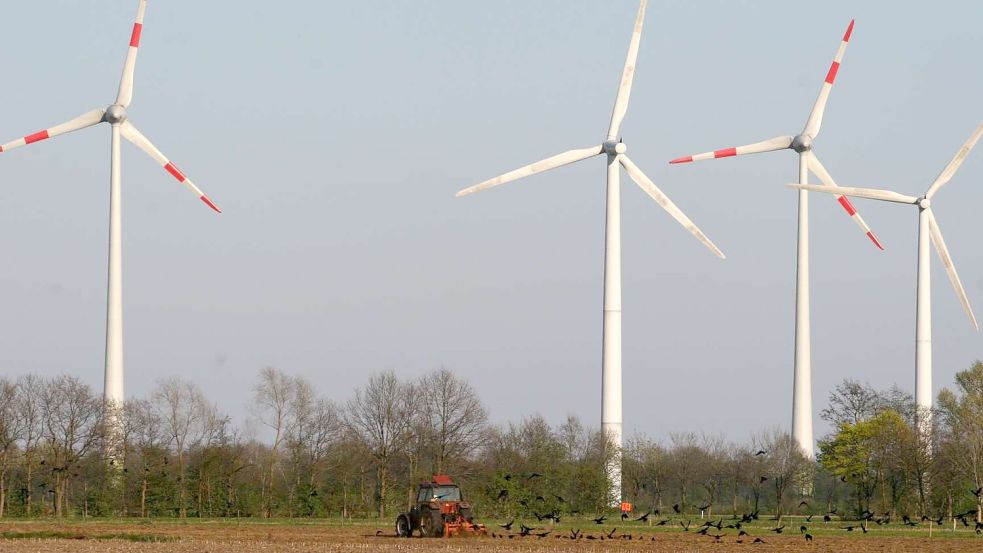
(36, 137)
(847, 206)
(874, 240)
(831, 76)
(686, 159)
(849, 31)
(725, 153)
(176, 172)
(135, 37)
(210, 204)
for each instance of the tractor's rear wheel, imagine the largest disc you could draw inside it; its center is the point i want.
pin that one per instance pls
(431, 524)
(403, 528)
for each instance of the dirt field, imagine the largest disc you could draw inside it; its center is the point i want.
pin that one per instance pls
(247, 537)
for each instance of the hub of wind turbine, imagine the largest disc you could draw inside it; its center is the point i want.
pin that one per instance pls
(802, 143)
(613, 148)
(115, 114)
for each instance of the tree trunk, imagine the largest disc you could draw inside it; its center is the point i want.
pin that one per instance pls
(30, 469)
(143, 499)
(3, 491)
(183, 507)
(382, 490)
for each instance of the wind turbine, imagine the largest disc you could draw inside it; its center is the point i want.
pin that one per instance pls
(928, 227)
(116, 116)
(802, 144)
(615, 150)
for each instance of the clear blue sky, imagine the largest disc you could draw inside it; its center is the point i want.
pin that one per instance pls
(334, 135)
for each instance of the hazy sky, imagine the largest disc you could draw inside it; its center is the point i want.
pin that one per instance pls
(334, 135)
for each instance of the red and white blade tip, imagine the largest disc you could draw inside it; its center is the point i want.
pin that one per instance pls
(726, 152)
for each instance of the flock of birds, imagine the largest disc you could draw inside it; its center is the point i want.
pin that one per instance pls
(714, 530)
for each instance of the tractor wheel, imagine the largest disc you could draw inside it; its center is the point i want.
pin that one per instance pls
(431, 524)
(403, 527)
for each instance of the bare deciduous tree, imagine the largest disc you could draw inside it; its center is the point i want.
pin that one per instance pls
(454, 416)
(273, 395)
(182, 408)
(379, 414)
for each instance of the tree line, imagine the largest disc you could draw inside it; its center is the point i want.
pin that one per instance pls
(304, 455)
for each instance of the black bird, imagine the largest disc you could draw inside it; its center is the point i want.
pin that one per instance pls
(803, 504)
(685, 526)
(703, 531)
(524, 530)
(575, 534)
(611, 533)
(977, 491)
(560, 499)
(907, 521)
(827, 519)
(378, 532)
(524, 503)
(656, 512)
(763, 479)
(808, 537)
(760, 452)
(676, 508)
(543, 534)
(533, 475)
(979, 527)
(643, 518)
(742, 533)
(662, 522)
(758, 540)
(508, 525)
(848, 528)
(600, 519)
(843, 479)
(624, 516)
(716, 536)
(504, 494)
(508, 477)
(705, 507)
(809, 518)
(778, 530)
(803, 529)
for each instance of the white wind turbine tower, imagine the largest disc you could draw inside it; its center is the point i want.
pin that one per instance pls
(928, 228)
(116, 116)
(802, 144)
(615, 150)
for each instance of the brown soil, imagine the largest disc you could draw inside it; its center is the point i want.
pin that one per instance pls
(225, 537)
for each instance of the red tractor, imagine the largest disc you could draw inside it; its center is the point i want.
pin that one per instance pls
(439, 511)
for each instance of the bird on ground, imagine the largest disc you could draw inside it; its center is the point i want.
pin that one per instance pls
(716, 536)
(778, 530)
(624, 516)
(611, 533)
(560, 499)
(575, 534)
(808, 537)
(662, 522)
(760, 452)
(508, 525)
(849, 528)
(979, 527)
(542, 535)
(533, 475)
(703, 531)
(540, 498)
(502, 495)
(758, 540)
(827, 519)
(524, 530)
(600, 519)
(803, 529)
(742, 533)
(685, 526)
(508, 477)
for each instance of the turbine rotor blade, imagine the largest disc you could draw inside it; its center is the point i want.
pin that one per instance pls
(817, 168)
(131, 133)
(558, 160)
(770, 145)
(646, 184)
(628, 76)
(83, 121)
(815, 121)
(950, 268)
(957, 161)
(869, 193)
(125, 96)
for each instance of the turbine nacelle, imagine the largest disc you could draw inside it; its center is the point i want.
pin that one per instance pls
(802, 143)
(613, 148)
(115, 115)
(924, 203)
